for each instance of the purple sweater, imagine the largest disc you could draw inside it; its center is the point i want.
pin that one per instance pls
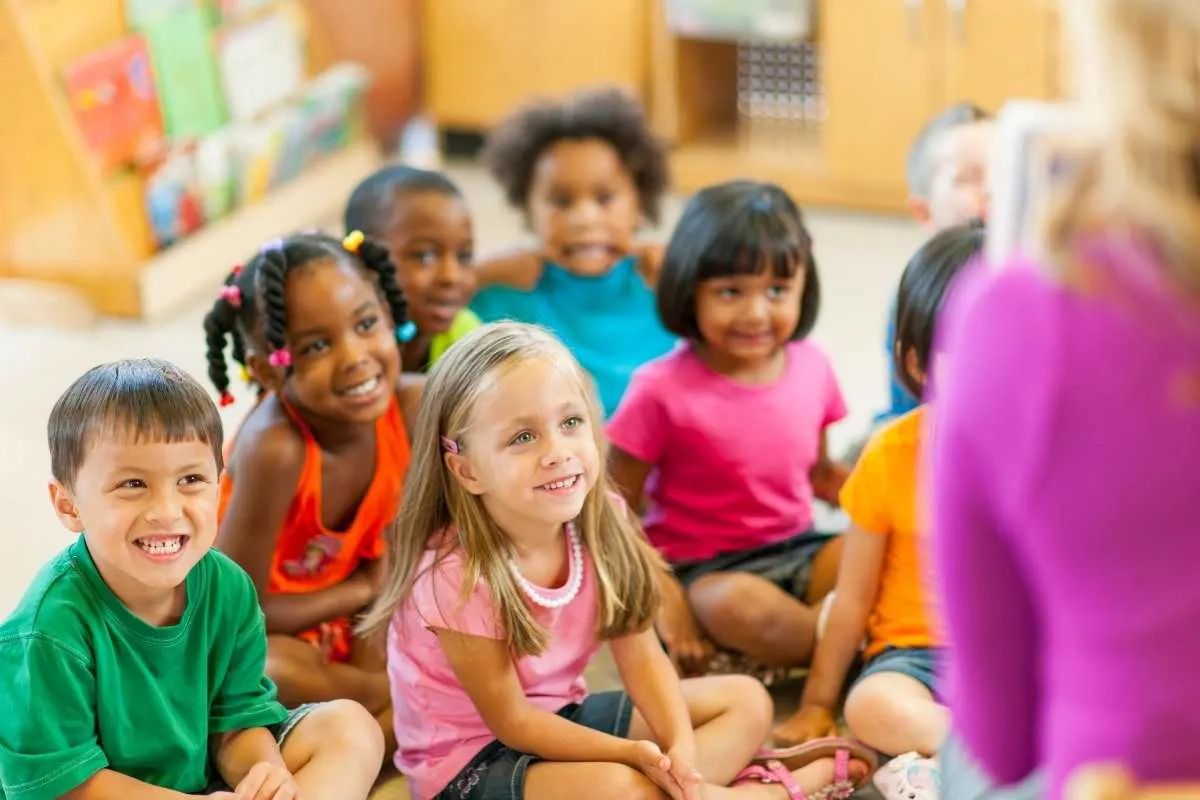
(1065, 487)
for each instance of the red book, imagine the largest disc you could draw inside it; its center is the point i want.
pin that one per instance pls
(112, 94)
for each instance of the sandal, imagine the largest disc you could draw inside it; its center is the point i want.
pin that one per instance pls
(772, 771)
(838, 749)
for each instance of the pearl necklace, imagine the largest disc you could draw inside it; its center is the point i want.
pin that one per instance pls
(574, 578)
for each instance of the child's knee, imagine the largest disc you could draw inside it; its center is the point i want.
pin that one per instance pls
(289, 659)
(349, 729)
(749, 699)
(875, 705)
(628, 783)
(733, 603)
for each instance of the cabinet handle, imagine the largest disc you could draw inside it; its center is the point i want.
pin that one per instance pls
(958, 18)
(913, 12)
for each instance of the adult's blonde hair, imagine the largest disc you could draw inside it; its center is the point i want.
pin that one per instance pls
(1137, 70)
(627, 569)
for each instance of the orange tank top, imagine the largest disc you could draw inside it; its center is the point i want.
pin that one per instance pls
(310, 557)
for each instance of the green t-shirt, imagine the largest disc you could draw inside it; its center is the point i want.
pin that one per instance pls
(85, 685)
(463, 323)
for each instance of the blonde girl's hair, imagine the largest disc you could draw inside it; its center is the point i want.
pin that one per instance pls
(1138, 78)
(627, 568)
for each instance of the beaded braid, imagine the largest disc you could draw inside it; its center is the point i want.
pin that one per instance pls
(377, 259)
(220, 326)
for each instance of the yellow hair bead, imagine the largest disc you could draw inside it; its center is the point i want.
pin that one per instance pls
(244, 373)
(353, 241)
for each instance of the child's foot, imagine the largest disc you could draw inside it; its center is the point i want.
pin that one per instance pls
(909, 777)
(818, 780)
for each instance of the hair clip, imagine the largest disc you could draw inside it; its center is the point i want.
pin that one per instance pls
(450, 446)
(232, 295)
(281, 358)
(353, 241)
(244, 374)
(274, 244)
(225, 400)
(406, 332)
(237, 270)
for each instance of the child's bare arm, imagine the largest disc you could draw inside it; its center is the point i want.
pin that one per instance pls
(267, 472)
(629, 474)
(519, 268)
(237, 752)
(828, 476)
(652, 684)
(109, 785)
(857, 588)
(486, 671)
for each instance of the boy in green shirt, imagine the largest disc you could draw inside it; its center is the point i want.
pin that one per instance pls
(133, 667)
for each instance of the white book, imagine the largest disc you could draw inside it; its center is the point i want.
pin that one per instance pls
(1029, 151)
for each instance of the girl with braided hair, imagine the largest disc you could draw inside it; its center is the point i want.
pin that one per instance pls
(316, 471)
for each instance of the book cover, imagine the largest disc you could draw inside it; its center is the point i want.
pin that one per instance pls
(112, 94)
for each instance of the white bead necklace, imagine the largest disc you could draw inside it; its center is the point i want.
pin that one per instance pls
(574, 577)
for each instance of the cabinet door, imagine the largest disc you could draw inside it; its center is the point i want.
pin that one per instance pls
(998, 50)
(881, 68)
(479, 59)
(485, 57)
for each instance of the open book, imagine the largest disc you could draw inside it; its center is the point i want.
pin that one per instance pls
(1029, 153)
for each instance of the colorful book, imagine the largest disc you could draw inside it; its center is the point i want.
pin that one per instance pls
(112, 94)
(186, 71)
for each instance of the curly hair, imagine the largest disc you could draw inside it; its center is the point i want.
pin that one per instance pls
(254, 294)
(373, 201)
(611, 115)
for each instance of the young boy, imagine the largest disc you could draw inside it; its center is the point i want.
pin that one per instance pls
(947, 172)
(133, 666)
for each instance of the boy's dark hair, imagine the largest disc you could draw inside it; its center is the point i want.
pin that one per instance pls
(372, 202)
(919, 166)
(513, 148)
(255, 292)
(923, 287)
(151, 399)
(735, 228)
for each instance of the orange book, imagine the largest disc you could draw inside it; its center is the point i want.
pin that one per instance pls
(113, 96)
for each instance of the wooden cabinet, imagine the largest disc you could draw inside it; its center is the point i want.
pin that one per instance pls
(885, 67)
(483, 58)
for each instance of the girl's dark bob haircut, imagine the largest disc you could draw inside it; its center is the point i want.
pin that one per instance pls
(736, 228)
(923, 288)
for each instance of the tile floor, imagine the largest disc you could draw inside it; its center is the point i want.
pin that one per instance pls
(860, 258)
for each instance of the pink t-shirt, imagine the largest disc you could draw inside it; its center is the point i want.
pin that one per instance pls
(732, 460)
(438, 729)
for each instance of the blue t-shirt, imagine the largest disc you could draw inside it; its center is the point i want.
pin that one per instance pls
(610, 321)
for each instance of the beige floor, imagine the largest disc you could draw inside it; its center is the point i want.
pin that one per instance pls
(860, 259)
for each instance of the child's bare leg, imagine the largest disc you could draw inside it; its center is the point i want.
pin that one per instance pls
(732, 718)
(370, 657)
(824, 571)
(896, 714)
(302, 675)
(334, 753)
(751, 615)
(584, 781)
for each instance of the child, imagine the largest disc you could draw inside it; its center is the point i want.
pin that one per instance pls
(133, 666)
(512, 562)
(586, 173)
(893, 707)
(422, 219)
(1065, 516)
(318, 466)
(726, 435)
(947, 185)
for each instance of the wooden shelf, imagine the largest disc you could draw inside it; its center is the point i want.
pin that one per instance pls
(200, 262)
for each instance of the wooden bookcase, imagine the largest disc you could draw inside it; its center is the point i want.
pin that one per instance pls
(65, 223)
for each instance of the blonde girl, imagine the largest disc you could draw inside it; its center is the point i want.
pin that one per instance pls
(513, 562)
